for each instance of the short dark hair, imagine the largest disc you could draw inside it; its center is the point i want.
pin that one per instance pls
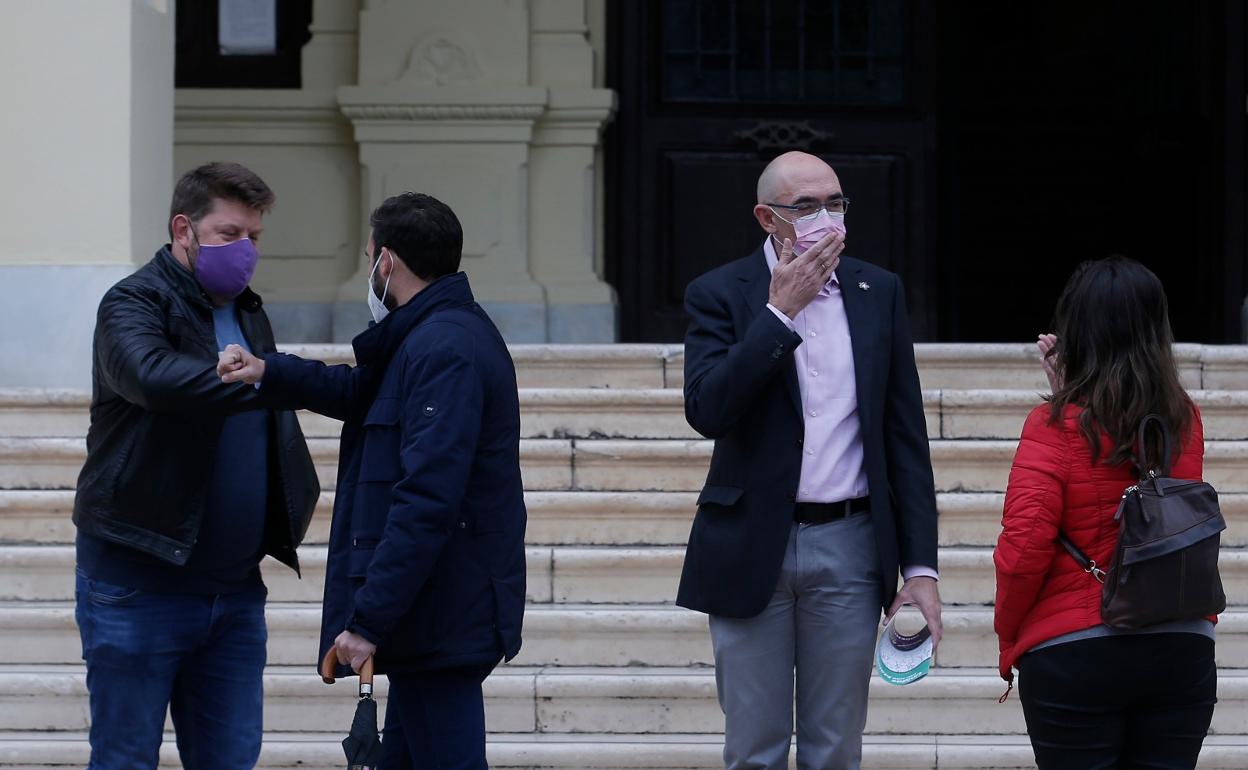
(422, 230)
(195, 192)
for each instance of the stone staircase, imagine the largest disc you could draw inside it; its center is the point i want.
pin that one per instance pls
(612, 675)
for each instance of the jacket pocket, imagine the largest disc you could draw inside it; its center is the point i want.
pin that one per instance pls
(360, 557)
(714, 494)
(379, 456)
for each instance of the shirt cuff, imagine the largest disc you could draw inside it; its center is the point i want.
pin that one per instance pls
(787, 321)
(913, 572)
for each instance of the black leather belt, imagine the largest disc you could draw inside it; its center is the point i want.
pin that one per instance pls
(821, 513)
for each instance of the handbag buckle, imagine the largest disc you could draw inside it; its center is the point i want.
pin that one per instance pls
(1095, 572)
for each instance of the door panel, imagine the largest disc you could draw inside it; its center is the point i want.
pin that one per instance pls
(710, 92)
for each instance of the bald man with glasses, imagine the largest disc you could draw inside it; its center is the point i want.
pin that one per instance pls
(799, 364)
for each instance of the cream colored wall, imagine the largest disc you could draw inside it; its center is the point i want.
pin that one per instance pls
(503, 120)
(86, 90)
(86, 164)
(500, 120)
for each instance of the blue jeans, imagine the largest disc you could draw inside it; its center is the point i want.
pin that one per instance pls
(200, 657)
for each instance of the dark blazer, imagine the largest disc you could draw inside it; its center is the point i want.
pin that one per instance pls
(426, 549)
(741, 390)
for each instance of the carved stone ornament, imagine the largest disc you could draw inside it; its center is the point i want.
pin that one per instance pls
(784, 135)
(440, 61)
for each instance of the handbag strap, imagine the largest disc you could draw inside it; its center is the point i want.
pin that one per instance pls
(1088, 565)
(1163, 463)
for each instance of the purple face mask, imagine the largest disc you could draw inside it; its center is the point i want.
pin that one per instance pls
(225, 269)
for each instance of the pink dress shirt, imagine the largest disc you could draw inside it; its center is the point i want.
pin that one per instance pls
(832, 458)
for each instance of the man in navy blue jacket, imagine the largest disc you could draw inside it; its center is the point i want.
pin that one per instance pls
(426, 568)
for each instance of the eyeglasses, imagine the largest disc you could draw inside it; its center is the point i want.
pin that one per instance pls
(806, 210)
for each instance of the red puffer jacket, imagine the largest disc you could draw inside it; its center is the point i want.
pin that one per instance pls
(1041, 591)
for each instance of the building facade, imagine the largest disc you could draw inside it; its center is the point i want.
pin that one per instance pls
(495, 106)
(601, 154)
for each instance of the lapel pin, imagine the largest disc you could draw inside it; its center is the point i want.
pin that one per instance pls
(864, 285)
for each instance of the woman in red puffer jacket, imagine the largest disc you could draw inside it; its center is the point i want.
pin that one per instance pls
(1095, 697)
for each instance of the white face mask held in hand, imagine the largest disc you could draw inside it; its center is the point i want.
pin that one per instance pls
(902, 656)
(377, 305)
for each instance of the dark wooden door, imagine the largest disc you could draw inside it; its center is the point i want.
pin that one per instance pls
(711, 90)
(1071, 130)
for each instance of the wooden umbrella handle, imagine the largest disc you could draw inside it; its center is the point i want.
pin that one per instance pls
(330, 664)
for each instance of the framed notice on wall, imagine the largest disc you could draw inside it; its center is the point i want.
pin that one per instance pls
(241, 43)
(247, 27)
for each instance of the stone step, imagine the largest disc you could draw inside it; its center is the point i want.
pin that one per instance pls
(941, 365)
(554, 635)
(1017, 366)
(555, 518)
(949, 413)
(54, 463)
(556, 575)
(999, 414)
(322, 751)
(561, 575)
(578, 518)
(616, 464)
(593, 701)
(618, 366)
(624, 414)
(643, 413)
(556, 701)
(958, 466)
(559, 518)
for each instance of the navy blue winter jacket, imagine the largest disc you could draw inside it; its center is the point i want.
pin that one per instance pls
(426, 554)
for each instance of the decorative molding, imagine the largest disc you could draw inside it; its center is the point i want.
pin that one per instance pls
(258, 117)
(429, 105)
(246, 114)
(525, 112)
(575, 116)
(784, 135)
(440, 61)
(580, 116)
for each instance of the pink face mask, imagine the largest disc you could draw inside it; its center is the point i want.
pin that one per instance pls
(811, 229)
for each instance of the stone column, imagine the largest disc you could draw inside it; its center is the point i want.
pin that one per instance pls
(565, 212)
(86, 146)
(500, 121)
(443, 106)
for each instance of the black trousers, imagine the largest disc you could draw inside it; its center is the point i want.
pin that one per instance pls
(1119, 703)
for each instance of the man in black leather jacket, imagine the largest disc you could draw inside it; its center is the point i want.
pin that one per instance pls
(188, 483)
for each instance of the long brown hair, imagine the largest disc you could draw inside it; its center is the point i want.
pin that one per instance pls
(1114, 351)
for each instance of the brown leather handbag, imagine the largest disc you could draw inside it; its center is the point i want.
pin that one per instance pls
(1165, 565)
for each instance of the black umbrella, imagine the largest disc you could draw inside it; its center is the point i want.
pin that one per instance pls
(363, 744)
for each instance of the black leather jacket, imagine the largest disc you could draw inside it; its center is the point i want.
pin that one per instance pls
(157, 407)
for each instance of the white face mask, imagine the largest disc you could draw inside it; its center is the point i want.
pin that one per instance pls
(377, 305)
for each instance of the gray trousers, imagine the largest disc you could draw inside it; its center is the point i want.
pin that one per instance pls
(821, 623)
